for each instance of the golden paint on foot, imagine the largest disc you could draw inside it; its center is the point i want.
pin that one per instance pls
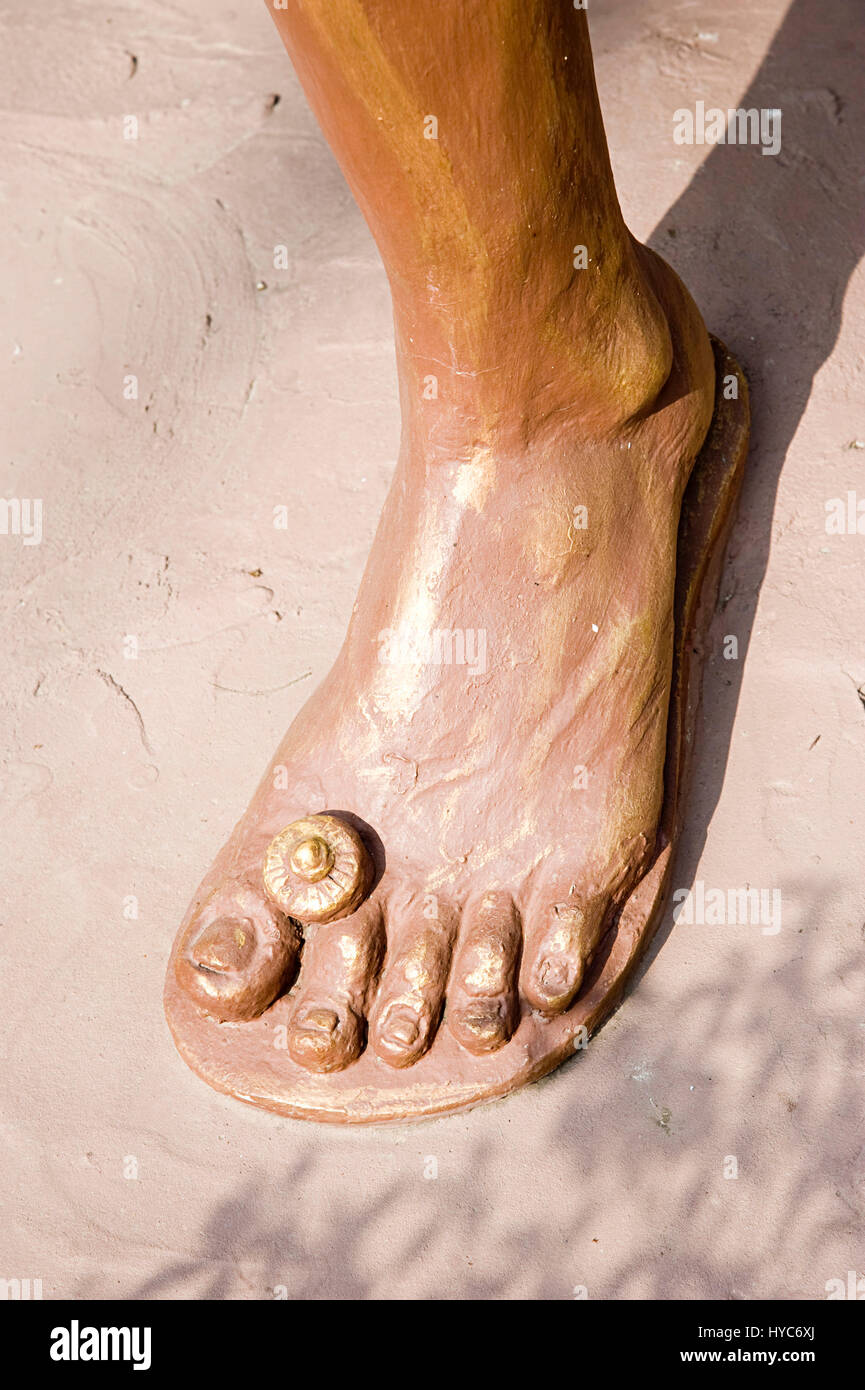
(317, 869)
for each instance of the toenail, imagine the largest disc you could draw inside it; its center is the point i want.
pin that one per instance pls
(323, 1020)
(224, 945)
(483, 1020)
(555, 977)
(402, 1032)
(317, 869)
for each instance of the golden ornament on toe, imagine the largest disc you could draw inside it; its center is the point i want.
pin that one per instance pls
(317, 869)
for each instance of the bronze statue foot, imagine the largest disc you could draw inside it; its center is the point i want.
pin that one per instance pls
(432, 992)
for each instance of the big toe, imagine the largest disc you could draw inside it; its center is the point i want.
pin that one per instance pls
(236, 956)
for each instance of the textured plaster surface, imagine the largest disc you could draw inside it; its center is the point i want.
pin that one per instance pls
(261, 388)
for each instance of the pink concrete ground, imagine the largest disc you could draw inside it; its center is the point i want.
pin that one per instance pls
(260, 387)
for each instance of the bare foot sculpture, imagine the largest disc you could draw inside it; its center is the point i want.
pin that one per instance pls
(463, 843)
